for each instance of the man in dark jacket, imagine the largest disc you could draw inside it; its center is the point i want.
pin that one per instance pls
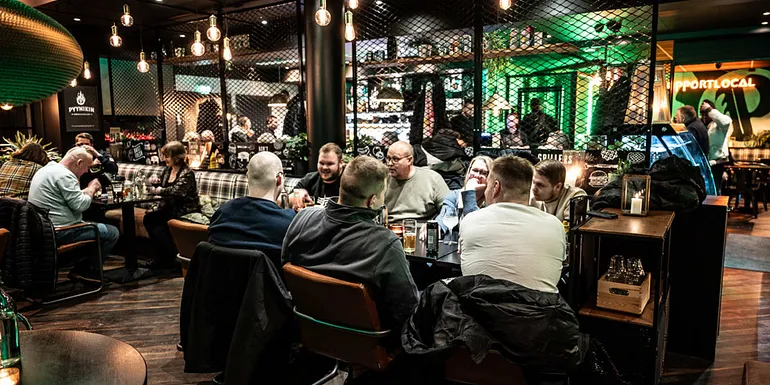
(537, 125)
(318, 186)
(687, 116)
(343, 242)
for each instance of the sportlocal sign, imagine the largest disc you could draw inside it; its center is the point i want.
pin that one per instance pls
(684, 85)
(80, 109)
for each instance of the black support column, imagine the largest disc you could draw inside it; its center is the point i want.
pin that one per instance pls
(325, 55)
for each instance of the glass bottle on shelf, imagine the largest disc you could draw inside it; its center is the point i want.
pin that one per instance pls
(636, 274)
(617, 269)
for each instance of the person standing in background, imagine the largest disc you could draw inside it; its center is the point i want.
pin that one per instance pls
(720, 129)
(686, 115)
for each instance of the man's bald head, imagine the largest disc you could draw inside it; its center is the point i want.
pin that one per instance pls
(263, 173)
(78, 160)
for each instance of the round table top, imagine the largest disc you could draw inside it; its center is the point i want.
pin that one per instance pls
(79, 358)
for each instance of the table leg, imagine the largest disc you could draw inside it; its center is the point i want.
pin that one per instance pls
(132, 271)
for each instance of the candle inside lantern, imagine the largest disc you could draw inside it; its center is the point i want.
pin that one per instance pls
(636, 203)
(9, 376)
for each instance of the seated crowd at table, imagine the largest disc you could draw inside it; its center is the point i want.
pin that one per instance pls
(504, 202)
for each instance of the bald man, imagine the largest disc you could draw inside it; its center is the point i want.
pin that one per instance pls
(56, 188)
(255, 222)
(413, 193)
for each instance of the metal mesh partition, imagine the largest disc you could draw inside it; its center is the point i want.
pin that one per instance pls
(413, 72)
(555, 75)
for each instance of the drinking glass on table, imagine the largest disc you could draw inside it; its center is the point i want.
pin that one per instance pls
(451, 221)
(410, 235)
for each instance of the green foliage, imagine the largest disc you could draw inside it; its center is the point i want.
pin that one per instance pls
(21, 140)
(298, 147)
(363, 141)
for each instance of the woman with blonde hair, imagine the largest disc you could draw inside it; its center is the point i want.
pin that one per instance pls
(469, 198)
(16, 173)
(176, 181)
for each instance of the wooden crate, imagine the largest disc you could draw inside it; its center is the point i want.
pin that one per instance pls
(622, 297)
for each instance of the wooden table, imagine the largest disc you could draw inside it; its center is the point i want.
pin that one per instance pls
(79, 358)
(132, 271)
(745, 181)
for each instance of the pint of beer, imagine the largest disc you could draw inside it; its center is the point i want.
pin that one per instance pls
(410, 235)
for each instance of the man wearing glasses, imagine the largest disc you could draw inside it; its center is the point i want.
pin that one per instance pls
(255, 221)
(413, 193)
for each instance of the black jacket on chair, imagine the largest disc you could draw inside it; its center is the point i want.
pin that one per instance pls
(30, 258)
(536, 330)
(235, 315)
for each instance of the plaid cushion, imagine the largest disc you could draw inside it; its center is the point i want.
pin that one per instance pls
(749, 154)
(129, 170)
(15, 178)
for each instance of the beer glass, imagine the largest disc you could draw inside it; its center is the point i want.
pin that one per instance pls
(410, 235)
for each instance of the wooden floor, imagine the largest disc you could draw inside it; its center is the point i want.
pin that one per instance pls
(146, 315)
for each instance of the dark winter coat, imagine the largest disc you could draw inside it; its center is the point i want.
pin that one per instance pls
(536, 330)
(30, 256)
(234, 315)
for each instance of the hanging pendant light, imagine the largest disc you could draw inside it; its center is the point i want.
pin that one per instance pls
(505, 4)
(197, 47)
(352, 4)
(496, 103)
(322, 16)
(86, 71)
(127, 20)
(142, 66)
(350, 31)
(6, 107)
(115, 40)
(213, 32)
(227, 54)
(74, 83)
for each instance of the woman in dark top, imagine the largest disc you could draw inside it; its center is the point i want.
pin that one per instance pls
(177, 181)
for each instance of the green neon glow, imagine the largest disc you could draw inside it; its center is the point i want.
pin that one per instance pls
(589, 118)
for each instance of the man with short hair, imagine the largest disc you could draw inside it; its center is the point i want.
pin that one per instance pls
(551, 193)
(255, 221)
(413, 193)
(242, 132)
(55, 188)
(342, 241)
(509, 239)
(537, 125)
(687, 116)
(318, 187)
(720, 128)
(104, 158)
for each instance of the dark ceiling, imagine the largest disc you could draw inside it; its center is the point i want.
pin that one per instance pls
(709, 15)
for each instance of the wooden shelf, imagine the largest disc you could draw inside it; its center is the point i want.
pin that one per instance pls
(645, 319)
(560, 48)
(654, 225)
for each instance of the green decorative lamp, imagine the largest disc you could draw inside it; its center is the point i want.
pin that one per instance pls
(38, 56)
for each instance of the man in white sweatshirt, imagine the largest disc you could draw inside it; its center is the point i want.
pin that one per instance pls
(720, 129)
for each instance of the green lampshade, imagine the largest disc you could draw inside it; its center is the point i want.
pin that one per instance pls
(38, 56)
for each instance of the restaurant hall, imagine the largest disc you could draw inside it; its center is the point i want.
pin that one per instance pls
(384, 192)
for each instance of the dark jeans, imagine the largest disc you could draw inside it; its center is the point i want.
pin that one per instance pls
(108, 236)
(717, 171)
(156, 223)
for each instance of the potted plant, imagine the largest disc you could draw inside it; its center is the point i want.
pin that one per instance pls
(298, 150)
(623, 167)
(21, 140)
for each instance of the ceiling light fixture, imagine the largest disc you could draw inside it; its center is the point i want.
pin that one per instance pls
(378, 2)
(115, 40)
(352, 4)
(142, 66)
(350, 31)
(6, 107)
(280, 99)
(764, 23)
(766, 14)
(197, 47)
(74, 83)
(76, 19)
(127, 20)
(213, 32)
(505, 4)
(322, 16)
(227, 54)
(182, 35)
(264, 22)
(86, 70)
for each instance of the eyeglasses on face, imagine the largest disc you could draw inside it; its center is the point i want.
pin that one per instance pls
(480, 171)
(395, 159)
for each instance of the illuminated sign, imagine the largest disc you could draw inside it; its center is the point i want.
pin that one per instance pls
(683, 85)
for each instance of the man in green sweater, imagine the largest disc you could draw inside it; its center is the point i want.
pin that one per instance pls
(413, 193)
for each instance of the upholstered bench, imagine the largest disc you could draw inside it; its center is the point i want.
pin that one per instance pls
(756, 373)
(220, 186)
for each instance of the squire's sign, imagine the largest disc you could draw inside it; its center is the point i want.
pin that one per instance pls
(80, 105)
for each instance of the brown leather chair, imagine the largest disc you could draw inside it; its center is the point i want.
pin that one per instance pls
(76, 246)
(337, 319)
(494, 370)
(187, 236)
